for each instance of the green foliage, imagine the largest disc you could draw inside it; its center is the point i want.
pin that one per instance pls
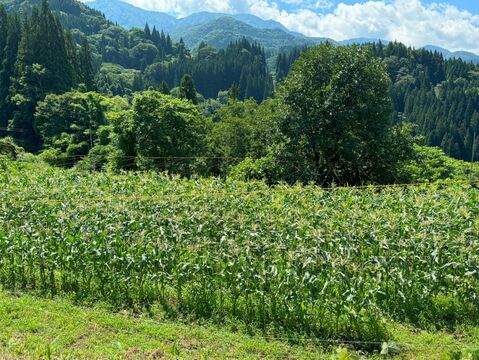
(9, 148)
(161, 133)
(70, 124)
(113, 80)
(38, 58)
(431, 164)
(336, 118)
(220, 250)
(212, 70)
(243, 130)
(439, 96)
(188, 89)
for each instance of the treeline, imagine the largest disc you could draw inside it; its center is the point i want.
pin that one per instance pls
(214, 70)
(38, 58)
(304, 133)
(439, 96)
(158, 60)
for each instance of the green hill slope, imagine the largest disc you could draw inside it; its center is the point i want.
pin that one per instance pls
(72, 14)
(219, 33)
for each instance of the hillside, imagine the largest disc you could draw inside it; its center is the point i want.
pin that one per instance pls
(221, 32)
(464, 55)
(130, 16)
(73, 14)
(436, 94)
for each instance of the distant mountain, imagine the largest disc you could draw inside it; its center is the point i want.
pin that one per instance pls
(219, 33)
(362, 41)
(130, 16)
(218, 29)
(464, 55)
(72, 13)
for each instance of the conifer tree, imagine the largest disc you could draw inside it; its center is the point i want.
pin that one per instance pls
(164, 88)
(86, 70)
(188, 89)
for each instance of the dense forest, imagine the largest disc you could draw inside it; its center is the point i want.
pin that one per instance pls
(440, 96)
(74, 85)
(45, 53)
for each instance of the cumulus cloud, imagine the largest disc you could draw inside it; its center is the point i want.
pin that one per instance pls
(409, 21)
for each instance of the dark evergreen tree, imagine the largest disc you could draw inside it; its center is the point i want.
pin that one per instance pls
(7, 68)
(87, 74)
(164, 89)
(188, 89)
(42, 66)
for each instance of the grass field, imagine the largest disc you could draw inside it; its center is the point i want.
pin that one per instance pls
(337, 265)
(33, 327)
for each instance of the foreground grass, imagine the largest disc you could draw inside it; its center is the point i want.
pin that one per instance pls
(33, 328)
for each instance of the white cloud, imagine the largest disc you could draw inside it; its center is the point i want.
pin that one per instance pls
(408, 21)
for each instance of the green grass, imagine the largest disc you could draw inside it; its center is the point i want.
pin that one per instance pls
(341, 265)
(30, 327)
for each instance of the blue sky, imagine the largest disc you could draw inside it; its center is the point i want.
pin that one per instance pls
(452, 24)
(469, 5)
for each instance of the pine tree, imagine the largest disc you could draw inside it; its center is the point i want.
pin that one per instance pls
(7, 67)
(42, 66)
(164, 88)
(234, 92)
(188, 89)
(87, 75)
(147, 32)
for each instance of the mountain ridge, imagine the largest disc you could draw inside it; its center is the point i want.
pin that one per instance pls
(119, 11)
(130, 16)
(221, 32)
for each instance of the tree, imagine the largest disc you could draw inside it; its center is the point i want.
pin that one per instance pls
(7, 68)
(42, 66)
(69, 122)
(234, 92)
(164, 88)
(87, 74)
(244, 129)
(188, 89)
(336, 117)
(169, 133)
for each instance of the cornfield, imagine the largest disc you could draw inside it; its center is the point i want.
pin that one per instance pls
(321, 263)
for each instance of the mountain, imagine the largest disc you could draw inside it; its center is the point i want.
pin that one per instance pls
(221, 32)
(216, 29)
(72, 14)
(130, 16)
(209, 27)
(362, 41)
(464, 55)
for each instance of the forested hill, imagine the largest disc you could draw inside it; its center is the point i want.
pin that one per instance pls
(55, 52)
(440, 96)
(220, 32)
(130, 16)
(83, 50)
(71, 13)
